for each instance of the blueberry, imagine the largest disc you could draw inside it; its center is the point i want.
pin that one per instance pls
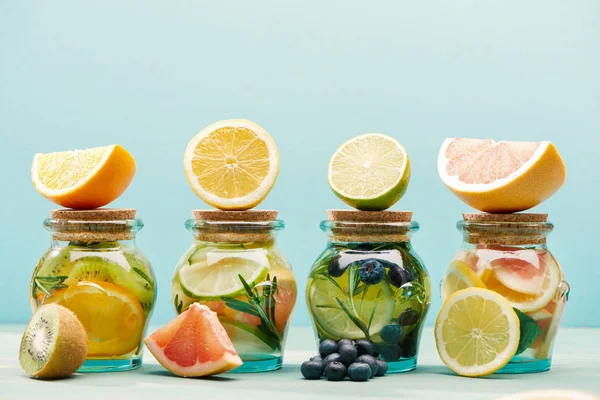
(316, 358)
(392, 333)
(359, 372)
(348, 353)
(371, 271)
(335, 268)
(364, 347)
(327, 347)
(399, 276)
(408, 347)
(408, 317)
(333, 357)
(312, 369)
(335, 371)
(344, 342)
(370, 361)
(382, 368)
(389, 352)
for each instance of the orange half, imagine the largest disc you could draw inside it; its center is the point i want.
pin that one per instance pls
(83, 179)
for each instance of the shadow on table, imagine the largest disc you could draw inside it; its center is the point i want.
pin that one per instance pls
(441, 370)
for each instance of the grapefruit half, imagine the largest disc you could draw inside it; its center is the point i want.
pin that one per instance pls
(194, 344)
(500, 177)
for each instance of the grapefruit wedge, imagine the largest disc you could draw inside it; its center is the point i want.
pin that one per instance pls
(194, 344)
(500, 177)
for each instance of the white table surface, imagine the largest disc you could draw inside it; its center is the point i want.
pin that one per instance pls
(576, 365)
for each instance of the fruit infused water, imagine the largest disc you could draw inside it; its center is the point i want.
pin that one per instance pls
(370, 284)
(508, 255)
(94, 269)
(236, 269)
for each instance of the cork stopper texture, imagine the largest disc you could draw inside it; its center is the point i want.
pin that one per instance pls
(506, 229)
(89, 226)
(229, 234)
(235, 216)
(370, 226)
(369, 216)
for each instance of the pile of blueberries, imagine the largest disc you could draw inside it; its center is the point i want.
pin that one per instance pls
(357, 360)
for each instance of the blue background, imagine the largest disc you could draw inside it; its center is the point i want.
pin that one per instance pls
(151, 74)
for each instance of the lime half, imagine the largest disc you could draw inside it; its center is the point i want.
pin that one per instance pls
(206, 281)
(336, 323)
(370, 172)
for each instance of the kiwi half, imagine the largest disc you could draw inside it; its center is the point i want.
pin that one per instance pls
(54, 344)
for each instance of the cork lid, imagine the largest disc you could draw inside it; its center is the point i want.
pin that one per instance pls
(100, 214)
(518, 217)
(505, 229)
(99, 225)
(234, 226)
(369, 216)
(370, 226)
(235, 216)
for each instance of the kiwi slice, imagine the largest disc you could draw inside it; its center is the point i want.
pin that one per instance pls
(56, 263)
(54, 344)
(137, 280)
(95, 269)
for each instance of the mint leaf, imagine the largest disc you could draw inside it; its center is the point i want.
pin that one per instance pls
(530, 331)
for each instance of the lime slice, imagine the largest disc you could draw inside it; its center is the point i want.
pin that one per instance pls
(335, 322)
(206, 281)
(248, 341)
(370, 172)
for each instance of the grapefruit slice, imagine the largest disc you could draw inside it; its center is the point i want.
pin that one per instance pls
(527, 302)
(500, 177)
(521, 270)
(194, 344)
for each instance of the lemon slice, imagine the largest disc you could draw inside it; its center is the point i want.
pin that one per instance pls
(232, 164)
(370, 172)
(459, 276)
(210, 281)
(335, 322)
(551, 394)
(476, 332)
(83, 179)
(528, 302)
(500, 177)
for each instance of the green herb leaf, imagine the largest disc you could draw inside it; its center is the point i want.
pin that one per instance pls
(354, 318)
(241, 306)
(59, 278)
(143, 275)
(373, 310)
(530, 331)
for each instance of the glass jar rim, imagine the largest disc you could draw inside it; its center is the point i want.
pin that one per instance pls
(194, 225)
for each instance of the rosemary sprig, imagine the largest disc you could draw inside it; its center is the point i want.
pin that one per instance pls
(261, 305)
(48, 284)
(144, 276)
(373, 310)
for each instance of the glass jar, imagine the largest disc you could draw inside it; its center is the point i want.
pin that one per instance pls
(94, 268)
(235, 268)
(369, 283)
(507, 253)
